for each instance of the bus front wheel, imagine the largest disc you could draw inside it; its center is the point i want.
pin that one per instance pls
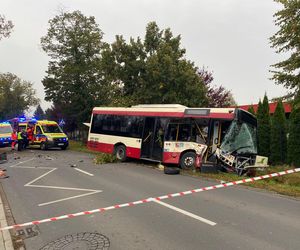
(188, 160)
(120, 153)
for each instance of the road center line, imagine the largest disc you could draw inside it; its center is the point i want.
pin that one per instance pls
(194, 216)
(82, 171)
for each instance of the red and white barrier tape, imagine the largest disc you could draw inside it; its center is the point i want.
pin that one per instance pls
(99, 210)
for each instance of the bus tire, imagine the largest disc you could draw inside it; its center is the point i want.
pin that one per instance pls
(120, 153)
(171, 170)
(63, 147)
(43, 146)
(188, 160)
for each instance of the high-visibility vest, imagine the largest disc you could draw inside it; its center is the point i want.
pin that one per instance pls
(20, 136)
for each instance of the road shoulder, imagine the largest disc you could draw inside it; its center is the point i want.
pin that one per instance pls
(5, 237)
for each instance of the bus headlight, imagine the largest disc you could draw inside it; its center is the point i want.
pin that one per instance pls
(49, 138)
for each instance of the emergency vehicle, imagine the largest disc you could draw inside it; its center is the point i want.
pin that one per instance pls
(5, 134)
(46, 134)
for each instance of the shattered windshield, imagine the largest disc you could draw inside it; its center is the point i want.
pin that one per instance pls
(240, 138)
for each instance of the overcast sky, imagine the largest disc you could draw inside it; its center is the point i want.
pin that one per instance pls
(229, 37)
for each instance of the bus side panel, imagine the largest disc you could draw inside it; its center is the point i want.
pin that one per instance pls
(133, 152)
(171, 157)
(106, 143)
(173, 150)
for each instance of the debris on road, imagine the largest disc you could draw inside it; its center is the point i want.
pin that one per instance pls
(48, 158)
(171, 170)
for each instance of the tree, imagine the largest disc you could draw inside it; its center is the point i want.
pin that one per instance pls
(263, 127)
(6, 27)
(74, 80)
(294, 136)
(16, 96)
(287, 39)
(278, 140)
(251, 110)
(39, 113)
(153, 70)
(217, 96)
(293, 151)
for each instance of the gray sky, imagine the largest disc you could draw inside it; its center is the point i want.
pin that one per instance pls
(229, 37)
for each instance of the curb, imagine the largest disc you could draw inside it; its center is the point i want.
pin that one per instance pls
(5, 237)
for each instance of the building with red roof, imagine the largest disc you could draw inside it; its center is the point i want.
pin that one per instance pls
(272, 106)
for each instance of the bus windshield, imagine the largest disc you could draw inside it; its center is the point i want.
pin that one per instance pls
(52, 128)
(240, 139)
(5, 129)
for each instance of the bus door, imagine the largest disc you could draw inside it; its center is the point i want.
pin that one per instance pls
(214, 142)
(216, 135)
(153, 138)
(148, 137)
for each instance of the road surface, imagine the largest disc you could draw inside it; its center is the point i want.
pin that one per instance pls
(43, 184)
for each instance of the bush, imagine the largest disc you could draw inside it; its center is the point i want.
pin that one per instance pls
(102, 158)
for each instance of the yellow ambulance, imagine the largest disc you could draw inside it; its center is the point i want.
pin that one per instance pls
(46, 134)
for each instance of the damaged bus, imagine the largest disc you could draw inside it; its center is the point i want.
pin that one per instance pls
(176, 134)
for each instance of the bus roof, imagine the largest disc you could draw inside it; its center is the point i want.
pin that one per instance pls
(168, 110)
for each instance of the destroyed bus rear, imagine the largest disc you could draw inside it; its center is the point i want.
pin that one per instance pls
(175, 134)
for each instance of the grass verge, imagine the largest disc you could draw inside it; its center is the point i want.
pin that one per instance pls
(288, 184)
(99, 158)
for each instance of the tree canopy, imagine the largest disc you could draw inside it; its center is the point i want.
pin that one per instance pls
(16, 96)
(73, 81)
(263, 127)
(6, 27)
(251, 110)
(294, 136)
(287, 40)
(39, 113)
(153, 70)
(278, 145)
(217, 96)
(84, 71)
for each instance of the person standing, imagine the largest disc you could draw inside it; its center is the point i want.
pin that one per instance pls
(14, 138)
(29, 134)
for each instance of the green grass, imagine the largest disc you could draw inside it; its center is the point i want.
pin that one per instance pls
(288, 184)
(99, 158)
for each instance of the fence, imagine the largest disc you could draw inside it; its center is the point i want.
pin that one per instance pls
(78, 135)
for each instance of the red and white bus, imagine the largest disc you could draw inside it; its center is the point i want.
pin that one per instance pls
(173, 133)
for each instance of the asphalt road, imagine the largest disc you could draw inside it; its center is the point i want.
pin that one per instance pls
(231, 218)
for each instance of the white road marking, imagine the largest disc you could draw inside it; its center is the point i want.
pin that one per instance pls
(211, 223)
(21, 162)
(40, 177)
(69, 198)
(52, 169)
(82, 171)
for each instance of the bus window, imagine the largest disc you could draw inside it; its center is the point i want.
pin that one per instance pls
(200, 131)
(178, 131)
(130, 126)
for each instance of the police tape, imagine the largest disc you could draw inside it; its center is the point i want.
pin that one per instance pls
(163, 197)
